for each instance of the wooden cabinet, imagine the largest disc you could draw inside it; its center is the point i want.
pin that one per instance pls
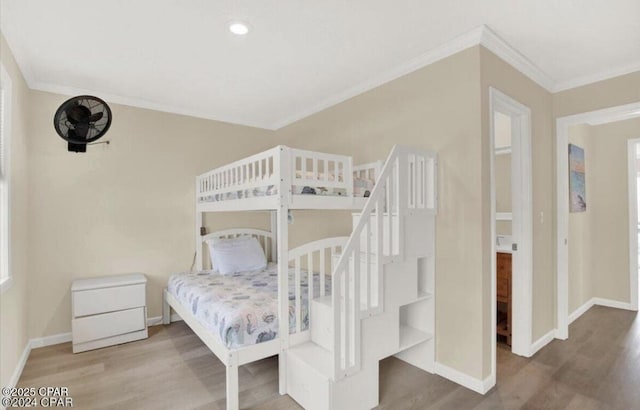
(503, 293)
(108, 310)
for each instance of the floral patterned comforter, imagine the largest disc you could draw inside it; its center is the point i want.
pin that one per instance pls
(242, 308)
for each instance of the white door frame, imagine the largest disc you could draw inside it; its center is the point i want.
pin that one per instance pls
(633, 220)
(603, 116)
(522, 227)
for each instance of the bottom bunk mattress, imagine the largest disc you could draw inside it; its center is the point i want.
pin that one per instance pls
(242, 308)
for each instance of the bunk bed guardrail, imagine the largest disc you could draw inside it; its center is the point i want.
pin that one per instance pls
(407, 183)
(310, 259)
(317, 168)
(265, 169)
(259, 170)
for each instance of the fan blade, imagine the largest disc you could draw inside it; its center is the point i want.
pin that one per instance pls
(96, 117)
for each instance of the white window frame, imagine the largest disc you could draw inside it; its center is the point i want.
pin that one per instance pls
(6, 277)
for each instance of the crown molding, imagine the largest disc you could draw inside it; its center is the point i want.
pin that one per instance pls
(142, 103)
(594, 78)
(481, 35)
(602, 116)
(451, 47)
(493, 42)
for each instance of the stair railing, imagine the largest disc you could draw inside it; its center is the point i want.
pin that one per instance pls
(405, 184)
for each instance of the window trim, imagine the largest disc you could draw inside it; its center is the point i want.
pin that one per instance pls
(6, 276)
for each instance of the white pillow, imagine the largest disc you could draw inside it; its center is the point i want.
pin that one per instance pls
(240, 254)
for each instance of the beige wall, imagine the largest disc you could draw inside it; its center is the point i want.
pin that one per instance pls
(604, 94)
(125, 207)
(599, 237)
(129, 206)
(608, 93)
(502, 172)
(503, 182)
(581, 226)
(13, 302)
(609, 199)
(496, 73)
(434, 108)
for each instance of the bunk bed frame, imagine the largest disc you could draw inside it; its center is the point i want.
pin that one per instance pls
(279, 170)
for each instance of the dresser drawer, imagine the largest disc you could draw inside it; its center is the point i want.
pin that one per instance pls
(108, 324)
(110, 299)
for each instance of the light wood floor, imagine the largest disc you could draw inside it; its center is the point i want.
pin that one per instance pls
(597, 368)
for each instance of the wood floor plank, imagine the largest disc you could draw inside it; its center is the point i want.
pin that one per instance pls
(598, 367)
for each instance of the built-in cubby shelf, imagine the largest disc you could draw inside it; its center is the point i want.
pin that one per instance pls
(416, 342)
(410, 336)
(424, 295)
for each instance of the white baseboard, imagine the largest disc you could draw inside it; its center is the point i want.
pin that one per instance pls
(38, 342)
(542, 342)
(154, 321)
(20, 366)
(600, 302)
(33, 344)
(463, 379)
(612, 303)
(50, 340)
(157, 320)
(581, 310)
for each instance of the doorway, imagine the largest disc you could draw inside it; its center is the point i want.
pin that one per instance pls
(633, 150)
(511, 226)
(563, 124)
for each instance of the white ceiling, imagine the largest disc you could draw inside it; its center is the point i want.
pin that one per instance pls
(301, 56)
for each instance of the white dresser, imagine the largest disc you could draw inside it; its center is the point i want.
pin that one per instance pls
(108, 311)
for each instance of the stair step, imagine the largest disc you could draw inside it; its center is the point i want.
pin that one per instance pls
(358, 214)
(363, 255)
(326, 301)
(316, 357)
(322, 322)
(422, 295)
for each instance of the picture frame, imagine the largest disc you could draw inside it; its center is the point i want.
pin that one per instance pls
(577, 180)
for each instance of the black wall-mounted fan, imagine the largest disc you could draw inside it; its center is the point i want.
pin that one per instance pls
(82, 120)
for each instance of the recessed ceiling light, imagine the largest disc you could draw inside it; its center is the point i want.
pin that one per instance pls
(238, 28)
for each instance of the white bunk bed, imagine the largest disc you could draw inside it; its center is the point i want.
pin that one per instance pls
(380, 306)
(277, 180)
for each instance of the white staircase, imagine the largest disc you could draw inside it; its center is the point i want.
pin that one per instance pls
(382, 301)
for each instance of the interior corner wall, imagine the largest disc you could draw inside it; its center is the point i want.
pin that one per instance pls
(437, 108)
(581, 225)
(13, 302)
(123, 207)
(500, 75)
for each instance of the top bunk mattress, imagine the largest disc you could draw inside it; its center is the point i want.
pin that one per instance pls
(241, 309)
(362, 187)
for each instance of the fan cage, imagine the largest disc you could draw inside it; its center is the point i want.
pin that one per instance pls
(96, 129)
